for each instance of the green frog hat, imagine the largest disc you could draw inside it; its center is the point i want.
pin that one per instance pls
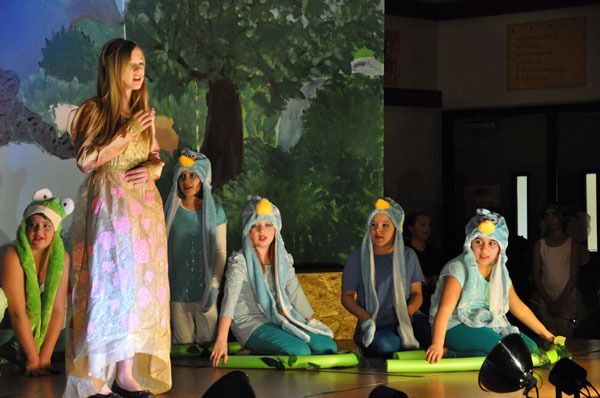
(39, 301)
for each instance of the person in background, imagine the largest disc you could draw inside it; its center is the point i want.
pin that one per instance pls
(417, 234)
(555, 270)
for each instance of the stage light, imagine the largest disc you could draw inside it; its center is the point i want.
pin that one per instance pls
(568, 377)
(233, 384)
(508, 367)
(382, 391)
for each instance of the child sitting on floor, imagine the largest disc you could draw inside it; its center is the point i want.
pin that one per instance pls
(473, 294)
(263, 301)
(381, 285)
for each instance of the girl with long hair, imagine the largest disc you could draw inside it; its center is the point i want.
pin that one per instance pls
(118, 329)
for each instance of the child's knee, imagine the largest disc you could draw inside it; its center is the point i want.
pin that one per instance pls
(298, 349)
(386, 344)
(324, 345)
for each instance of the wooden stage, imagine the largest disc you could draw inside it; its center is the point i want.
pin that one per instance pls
(193, 376)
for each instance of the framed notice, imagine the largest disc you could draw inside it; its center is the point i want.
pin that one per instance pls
(546, 54)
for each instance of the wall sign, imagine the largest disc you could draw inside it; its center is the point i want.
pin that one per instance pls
(546, 54)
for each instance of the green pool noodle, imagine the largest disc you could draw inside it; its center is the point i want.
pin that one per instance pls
(192, 350)
(444, 365)
(412, 354)
(232, 347)
(283, 362)
(3, 304)
(415, 362)
(186, 350)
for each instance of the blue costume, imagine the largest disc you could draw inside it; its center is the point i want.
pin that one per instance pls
(269, 309)
(383, 286)
(197, 253)
(479, 320)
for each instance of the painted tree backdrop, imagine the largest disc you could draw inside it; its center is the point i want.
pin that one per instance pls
(285, 97)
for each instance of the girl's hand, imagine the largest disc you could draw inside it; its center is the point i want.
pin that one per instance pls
(141, 121)
(45, 363)
(434, 353)
(34, 368)
(546, 335)
(137, 175)
(219, 351)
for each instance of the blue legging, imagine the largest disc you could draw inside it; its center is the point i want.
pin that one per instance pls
(464, 341)
(387, 341)
(272, 340)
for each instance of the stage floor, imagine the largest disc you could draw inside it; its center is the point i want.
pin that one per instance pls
(193, 376)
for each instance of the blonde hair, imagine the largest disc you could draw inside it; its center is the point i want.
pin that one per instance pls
(103, 119)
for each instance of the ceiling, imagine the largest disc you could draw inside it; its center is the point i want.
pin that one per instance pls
(459, 9)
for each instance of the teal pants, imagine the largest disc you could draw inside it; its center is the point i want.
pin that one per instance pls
(270, 339)
(463, 341)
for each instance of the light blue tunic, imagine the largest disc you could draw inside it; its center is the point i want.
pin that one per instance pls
(480, 298)
(241, 304)
(186, 254)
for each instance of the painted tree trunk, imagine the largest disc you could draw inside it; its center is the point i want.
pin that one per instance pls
(224, 138)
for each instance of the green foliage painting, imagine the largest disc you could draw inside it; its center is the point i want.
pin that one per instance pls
(324, 185)
(285, 97)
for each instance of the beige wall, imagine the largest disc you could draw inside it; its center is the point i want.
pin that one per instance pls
(413, 161)
(418, 67)
(412, 151)
(472, 61)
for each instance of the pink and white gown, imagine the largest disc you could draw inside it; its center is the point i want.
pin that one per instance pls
(119, 297)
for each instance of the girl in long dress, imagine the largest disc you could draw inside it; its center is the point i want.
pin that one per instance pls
(118, 329)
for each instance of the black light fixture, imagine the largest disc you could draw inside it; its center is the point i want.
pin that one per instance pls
(570, 378)
(233, 384)
(508, 367)
(383, 391)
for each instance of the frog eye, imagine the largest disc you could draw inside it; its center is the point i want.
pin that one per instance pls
(42, 194)
(68, 205)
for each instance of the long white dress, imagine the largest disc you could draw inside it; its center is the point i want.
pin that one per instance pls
(119, 298)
